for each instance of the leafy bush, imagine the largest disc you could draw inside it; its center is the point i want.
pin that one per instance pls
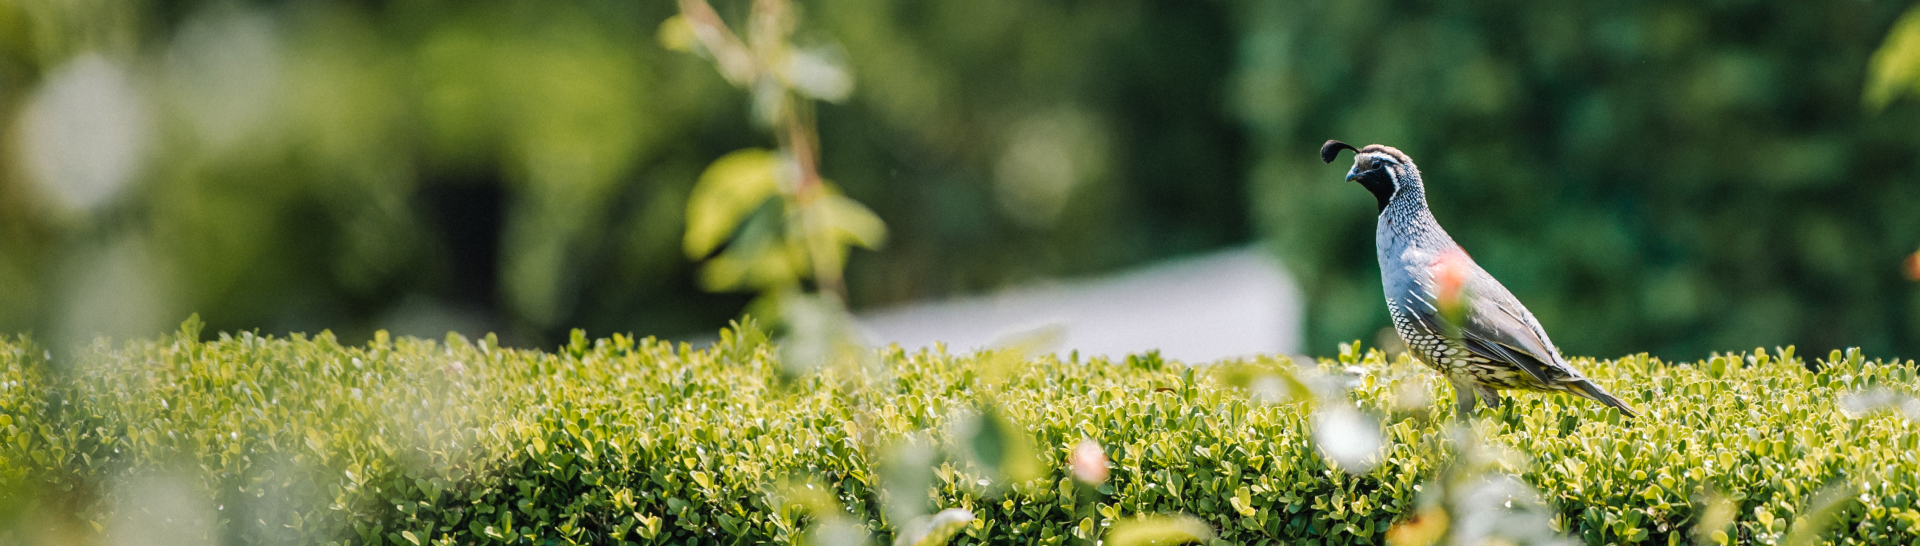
(410, 441)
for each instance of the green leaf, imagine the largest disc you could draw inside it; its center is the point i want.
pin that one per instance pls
(758, 258)
(1895, 67)
(1158, 531)
(1242, 502)
(676, 34)
(851, 222)
(1001, 448)
(726, 192)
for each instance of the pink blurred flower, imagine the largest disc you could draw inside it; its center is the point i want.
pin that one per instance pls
(1911, 266)
(1450, 279)
(1089, 462)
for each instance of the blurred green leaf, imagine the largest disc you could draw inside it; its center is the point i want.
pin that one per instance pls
(676, 34)
(759, 258)
(1820, 514)
(1158, 531)
(819, 333)
(851, 222)
(1895, 67)
(934, 530)
(1713, 523)
(1000, 448)
(726, 192)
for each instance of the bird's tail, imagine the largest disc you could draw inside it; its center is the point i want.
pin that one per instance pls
(1586, 388)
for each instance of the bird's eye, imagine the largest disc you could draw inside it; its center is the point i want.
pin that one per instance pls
(1377, 163)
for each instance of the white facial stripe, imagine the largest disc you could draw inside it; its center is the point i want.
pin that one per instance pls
(1388, 163)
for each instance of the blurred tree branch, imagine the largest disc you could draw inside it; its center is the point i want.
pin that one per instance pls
(782, 79)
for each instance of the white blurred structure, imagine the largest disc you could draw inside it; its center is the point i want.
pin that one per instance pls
(1198, 309)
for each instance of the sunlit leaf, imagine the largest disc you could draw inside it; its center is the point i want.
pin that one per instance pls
(1895, 67)
(851, 222)
(808, 495)
(1425, 527)
(759, 258)
(731, 187)
(1158, 531)
(676, 34)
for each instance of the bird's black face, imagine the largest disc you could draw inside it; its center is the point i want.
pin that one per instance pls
(1377, 168)
(1375, 174)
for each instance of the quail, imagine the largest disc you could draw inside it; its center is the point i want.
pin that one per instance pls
(1453, 316)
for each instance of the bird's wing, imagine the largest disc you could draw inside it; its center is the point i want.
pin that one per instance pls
(1497, 319)
(1497, 328)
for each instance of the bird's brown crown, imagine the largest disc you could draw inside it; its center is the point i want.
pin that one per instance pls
(1389, 151)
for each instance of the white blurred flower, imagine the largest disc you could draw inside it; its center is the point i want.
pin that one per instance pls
(224, 75)
(819, 73)
(1269, 389)
(1048, 157)
(84, 132)
(160, 510)
(837, 530)
(1501, 509)
(1411, 394)
(1347, 438)
(907, 476)
(1859, 403)
(119, 291)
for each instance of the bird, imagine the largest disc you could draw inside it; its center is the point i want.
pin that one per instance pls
(1454, 316)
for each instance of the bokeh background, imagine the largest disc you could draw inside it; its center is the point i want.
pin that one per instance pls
(1668, 177)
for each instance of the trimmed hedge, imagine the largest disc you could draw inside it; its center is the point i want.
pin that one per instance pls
(410, 441)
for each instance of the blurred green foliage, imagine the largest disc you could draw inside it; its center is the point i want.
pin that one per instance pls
(1665, 176)
(1675, 177)
(257, 439)
(353, 165)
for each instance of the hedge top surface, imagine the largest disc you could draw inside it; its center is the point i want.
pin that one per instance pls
(408, 441)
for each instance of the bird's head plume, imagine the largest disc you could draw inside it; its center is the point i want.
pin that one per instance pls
(1382, 170)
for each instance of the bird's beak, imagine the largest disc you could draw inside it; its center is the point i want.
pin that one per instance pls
(1353, 173)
